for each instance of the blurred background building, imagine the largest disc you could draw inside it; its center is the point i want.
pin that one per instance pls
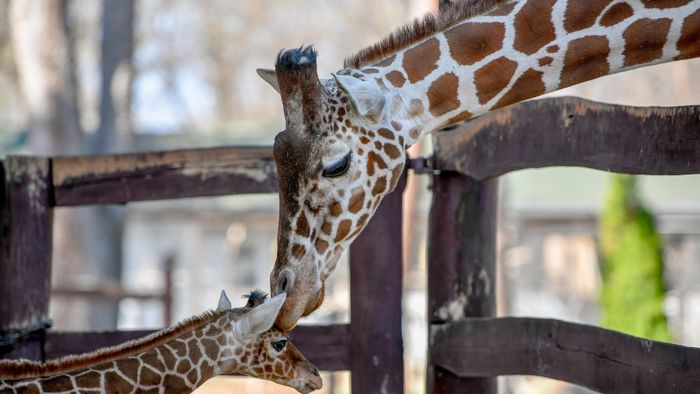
(138, 75)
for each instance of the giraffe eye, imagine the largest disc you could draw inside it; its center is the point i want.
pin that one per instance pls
(279, 345)
(339, 168)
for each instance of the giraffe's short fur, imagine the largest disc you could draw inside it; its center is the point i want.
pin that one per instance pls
(176, 359)
(440, 70)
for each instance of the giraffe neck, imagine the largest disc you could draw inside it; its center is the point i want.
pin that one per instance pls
(525, 49)
(180, 364)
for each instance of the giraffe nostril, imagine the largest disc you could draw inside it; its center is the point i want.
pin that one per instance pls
(314, 370)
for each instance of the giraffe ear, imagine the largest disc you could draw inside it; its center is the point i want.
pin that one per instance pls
(224, 302)
(366, 97)
(269, 76)
(259, 319)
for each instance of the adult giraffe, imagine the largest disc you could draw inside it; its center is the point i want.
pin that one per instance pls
(177, 359)
(345, 142)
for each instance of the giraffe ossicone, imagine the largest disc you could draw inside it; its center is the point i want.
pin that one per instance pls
(177, 359)
(344, 146)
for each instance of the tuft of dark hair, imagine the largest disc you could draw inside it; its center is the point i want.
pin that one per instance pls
(297, 58)
(255, 298)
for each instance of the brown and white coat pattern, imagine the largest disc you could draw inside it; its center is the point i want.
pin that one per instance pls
(388, 99)
(175, 360)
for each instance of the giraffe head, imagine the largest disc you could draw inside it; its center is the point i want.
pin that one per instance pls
(263, 351)
(338, 157)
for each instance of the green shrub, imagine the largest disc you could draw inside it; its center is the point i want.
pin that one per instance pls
(633, 289)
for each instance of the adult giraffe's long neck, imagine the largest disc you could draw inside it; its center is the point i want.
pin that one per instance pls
(527, 48)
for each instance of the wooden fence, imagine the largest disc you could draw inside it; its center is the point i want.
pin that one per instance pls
(468, 345)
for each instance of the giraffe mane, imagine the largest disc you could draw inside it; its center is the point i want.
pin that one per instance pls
(21, 369)
(420, 29)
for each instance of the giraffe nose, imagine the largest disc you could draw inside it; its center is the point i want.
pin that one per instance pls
(314, 371)
(284, 282)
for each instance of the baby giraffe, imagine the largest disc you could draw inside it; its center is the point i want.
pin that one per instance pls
(177, 359)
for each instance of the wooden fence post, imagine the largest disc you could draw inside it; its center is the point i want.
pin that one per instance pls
(25, 254)
(376, 282)
(461, 265)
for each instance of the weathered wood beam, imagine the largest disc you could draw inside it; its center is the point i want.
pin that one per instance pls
(25, 254)
(461, 265)
(570, 131)
(376, 283)
(325, 346)
(121, 178)
(593, 357)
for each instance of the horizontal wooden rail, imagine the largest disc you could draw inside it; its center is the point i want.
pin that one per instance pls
(327, 347)
(593, 357)
(121, 178)
(570, 131)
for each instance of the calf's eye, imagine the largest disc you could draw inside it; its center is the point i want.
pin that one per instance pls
(339, 168)
(279, 345)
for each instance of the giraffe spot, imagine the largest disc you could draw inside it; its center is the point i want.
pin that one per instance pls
(470, 42)
(372, 160)
(34, 389)
(464, 115)
(179, 348)
(327, 227)
(386, 62)
(421, 60)
(377, 145)
(396, 125)
(172, 383)
(303, 225)
(148, 377)
(192, 376)
(321, 245)
(553, 48)
(151, 359)
(585, 59)
(644, 40)
(370, 71)
(116, 383)
(504, 10)
(415, 107)
(88, 379)
(129, 367)
(664, 4)
(386, 133)
(493, 78)
(395, 176)
(379, 186)
(341, 111)
(544, 61)
(356, 200)
(396, 78)
(183, 366)
(392, 151)
(193, 350)
(278, 369)
(380, 83)
(616, 14)
(336, 208)
(442, 95)
(298, 251)
(168, 358)
(533, 26)
(401, 140)
(362, 221)
(364, 140)
(690, 36)
(580, 15)
(343, 230)
(528, 85)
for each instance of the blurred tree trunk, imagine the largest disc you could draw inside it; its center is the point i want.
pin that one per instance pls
(87, 240)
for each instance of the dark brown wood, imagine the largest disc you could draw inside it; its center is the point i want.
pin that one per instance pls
(376, 283)
(110, 179)
(461, 264)
(570, 131)
(325, 346)
(25, 252)
(600, 359)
